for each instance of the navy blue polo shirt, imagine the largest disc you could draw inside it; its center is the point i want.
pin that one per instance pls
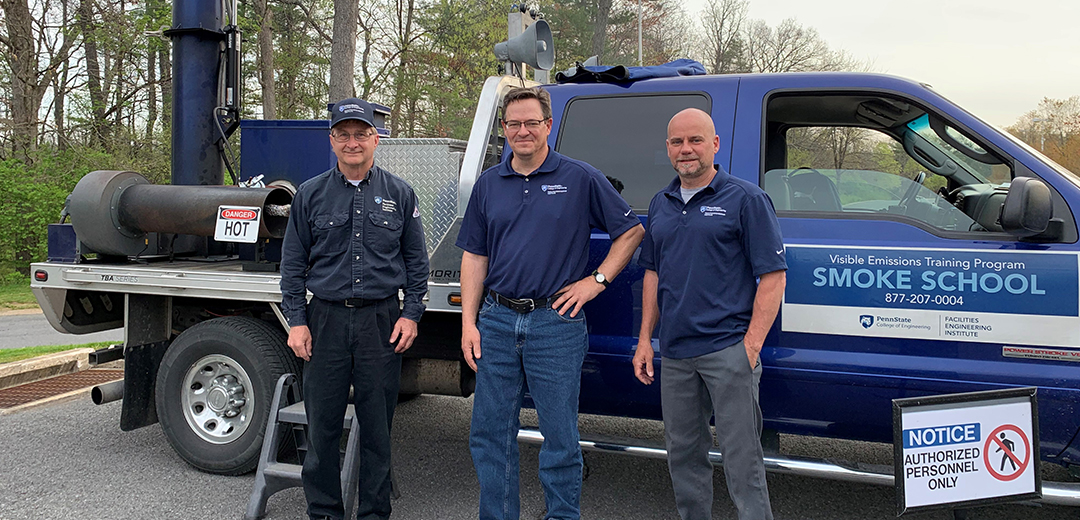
(346, 241)
(535, 229)
(707, 254)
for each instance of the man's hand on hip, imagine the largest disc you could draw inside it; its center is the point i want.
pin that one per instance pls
(470, 344)
(643, 362)
(576, 295)
(300, 341)
(404, 334)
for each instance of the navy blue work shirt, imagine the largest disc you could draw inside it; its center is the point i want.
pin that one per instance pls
(707, 254)
(535, 229)
(346, 241)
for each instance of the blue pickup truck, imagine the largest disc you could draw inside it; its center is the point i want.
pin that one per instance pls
(930, 253)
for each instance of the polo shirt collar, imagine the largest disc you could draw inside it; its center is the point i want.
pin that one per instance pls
(550, 164)
(717, 182)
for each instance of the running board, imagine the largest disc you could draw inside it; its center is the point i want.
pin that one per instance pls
(1056, 493)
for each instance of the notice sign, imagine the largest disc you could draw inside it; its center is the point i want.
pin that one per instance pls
(237, 224)
(966, 449)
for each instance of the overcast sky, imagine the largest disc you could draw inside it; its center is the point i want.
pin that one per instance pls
(996, 58)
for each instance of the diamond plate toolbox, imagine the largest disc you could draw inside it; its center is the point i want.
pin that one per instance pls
(431, 167)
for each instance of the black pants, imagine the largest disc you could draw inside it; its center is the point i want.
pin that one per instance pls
(350, 346)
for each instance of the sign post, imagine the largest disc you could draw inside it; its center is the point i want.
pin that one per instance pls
(964, 450)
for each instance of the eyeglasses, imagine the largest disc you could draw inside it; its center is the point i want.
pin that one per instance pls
(531, 124)
(343, 137)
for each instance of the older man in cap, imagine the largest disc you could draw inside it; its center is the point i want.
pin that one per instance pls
(354, 239)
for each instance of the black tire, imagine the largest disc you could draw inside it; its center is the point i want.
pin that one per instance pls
(216, 368)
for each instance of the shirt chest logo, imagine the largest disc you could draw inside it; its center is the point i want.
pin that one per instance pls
(386, 204)
(553, 189)
(713, 211)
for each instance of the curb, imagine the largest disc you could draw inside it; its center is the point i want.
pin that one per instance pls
(42, 367)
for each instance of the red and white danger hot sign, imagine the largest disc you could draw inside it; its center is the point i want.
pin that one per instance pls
(237, 224)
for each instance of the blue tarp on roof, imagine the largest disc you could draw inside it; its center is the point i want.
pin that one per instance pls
(623, 74)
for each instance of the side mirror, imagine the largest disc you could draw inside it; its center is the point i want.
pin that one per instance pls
(1027, 208)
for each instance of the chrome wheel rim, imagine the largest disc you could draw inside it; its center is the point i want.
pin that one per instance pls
(217, 399)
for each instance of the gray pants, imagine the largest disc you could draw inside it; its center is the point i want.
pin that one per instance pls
(691, 390)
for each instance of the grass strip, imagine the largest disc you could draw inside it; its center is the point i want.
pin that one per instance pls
(8, 355)
(15, 294)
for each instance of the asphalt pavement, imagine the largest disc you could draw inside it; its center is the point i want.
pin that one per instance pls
(31, 329)
(70, 460)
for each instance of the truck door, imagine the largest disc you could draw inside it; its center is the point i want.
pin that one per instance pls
(901, 279)
(622, 131)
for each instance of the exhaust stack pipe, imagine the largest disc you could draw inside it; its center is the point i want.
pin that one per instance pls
(112, 211)
(107, 392)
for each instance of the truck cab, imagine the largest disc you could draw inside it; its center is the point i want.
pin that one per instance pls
(905, 276)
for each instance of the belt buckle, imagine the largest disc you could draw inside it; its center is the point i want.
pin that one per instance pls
(520, 305)
(349, 304)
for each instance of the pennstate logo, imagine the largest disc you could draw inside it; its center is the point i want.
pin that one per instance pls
(351, 107)
(866, 320)
(378, 200)
(239, 214)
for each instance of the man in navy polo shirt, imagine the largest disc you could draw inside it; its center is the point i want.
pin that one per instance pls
(710, 237)
(528, 244)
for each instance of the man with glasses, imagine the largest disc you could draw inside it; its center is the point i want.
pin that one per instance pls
(354, 239)
(715, 273)
(523, 284)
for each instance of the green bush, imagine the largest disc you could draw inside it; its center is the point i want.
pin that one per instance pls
(32, 196)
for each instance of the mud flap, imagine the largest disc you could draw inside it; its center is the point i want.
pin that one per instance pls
(147, 323)
(140, 374)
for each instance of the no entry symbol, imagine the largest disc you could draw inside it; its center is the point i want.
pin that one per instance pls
(1005, 464)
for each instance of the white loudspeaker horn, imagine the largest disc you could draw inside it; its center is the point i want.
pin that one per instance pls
(534, 47)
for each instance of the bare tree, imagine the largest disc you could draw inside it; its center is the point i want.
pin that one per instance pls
(723, 22)
(600, 25)
(29, 80)
(343, 50)
(85, 21)
(791, 47)
(265, 62)
(403, 13)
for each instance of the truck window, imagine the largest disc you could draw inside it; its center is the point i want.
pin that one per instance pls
(870, 156)
(623, 136)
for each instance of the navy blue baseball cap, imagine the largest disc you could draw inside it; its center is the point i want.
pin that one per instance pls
(352, 108)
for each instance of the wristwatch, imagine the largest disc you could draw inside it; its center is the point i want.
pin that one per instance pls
(599, 277)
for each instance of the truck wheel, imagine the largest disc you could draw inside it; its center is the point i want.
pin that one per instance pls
(214, 388)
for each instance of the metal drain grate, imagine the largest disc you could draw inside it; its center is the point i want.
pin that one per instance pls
(25, 393)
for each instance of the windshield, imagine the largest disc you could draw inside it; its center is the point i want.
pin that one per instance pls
(982, 171)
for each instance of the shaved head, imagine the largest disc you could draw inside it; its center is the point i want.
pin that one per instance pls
(695, 117)
(692, 145)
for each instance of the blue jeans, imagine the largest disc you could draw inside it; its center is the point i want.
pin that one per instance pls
(544, 351)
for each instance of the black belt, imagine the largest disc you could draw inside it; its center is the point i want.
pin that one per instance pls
(353, 302)
(521, 305)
